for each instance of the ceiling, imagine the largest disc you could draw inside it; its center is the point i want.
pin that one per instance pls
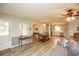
(38, 11)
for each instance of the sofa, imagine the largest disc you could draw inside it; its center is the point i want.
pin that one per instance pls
(72, 49)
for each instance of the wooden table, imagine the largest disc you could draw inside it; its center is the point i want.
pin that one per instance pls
(43, 38)
(21, 38)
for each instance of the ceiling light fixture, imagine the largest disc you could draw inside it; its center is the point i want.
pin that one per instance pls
(71, 18)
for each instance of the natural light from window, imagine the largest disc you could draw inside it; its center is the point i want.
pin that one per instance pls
(23, 29)
(4, 28)
(57, 28)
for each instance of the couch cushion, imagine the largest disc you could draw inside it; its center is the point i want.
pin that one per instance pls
(74, 48)
(59, 51)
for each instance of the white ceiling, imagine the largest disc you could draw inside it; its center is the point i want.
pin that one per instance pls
(37, 11)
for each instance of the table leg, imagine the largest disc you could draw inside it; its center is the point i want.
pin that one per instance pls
(21, 43)
(18, 49)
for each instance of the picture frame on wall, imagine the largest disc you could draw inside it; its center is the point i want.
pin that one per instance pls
(36, 29)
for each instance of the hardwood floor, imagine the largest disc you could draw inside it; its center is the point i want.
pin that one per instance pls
(33, 49)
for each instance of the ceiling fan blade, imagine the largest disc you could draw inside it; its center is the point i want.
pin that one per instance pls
(60, 16)
(71, 12)
(64, 14)
(76, 13)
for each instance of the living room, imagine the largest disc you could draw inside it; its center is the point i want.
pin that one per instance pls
(38, 25)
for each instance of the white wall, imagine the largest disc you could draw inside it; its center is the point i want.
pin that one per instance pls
(73, 27)
(5, 41)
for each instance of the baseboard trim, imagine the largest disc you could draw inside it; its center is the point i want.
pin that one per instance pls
(4, 51)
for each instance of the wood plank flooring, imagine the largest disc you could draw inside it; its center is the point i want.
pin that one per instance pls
(33, 49)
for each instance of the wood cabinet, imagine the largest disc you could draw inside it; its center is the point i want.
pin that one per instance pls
(76, 36)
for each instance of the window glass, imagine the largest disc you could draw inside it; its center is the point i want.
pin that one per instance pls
(23, 29)
(4, 28)
(57, 28)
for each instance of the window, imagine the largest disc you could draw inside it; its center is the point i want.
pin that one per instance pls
(4, 28)
(57, 28)
(23, 29)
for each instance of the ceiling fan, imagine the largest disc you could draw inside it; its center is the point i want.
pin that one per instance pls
(70, 14)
